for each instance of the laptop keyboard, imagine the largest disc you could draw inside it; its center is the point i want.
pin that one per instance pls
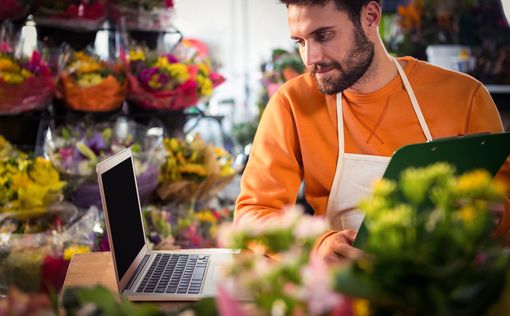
(175, 273)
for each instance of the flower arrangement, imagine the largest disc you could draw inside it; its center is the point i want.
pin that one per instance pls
(169, 228)
(71, 14)
(153, 15)
(163, 82)
(425, 22)
(293, 284)
(193, 172)
(75, 151)
(35, 252)
(25, 83)
(429, 247)
(88, 84)
(28, 186)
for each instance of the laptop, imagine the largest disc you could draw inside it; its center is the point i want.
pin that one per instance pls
(141, 274)
(468, 152)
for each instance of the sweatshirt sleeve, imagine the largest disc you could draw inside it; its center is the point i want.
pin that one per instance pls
(273, 173)
(484, 117)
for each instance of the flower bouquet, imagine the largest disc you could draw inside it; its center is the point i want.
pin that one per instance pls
(75, 151)
(25, 83)
(28, 186)
(88, 84)
(293, 284)
(33, 222)
(170, 228)
(79, 15)
(147, 15)
(35, 253)
(429, 249)
(167, 83)
(193, 172)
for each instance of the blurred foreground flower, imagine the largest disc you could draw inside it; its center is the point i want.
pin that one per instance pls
(428, 246)
(295, 283)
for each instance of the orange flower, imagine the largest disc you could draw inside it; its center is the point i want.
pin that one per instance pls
(410, 15)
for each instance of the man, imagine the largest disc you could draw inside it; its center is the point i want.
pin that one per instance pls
(337, 126)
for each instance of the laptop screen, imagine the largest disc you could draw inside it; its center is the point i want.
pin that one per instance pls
(124, 214)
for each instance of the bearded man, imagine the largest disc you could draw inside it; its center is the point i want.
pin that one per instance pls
(336, 126)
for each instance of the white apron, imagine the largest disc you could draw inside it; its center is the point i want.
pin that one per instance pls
(355, 172)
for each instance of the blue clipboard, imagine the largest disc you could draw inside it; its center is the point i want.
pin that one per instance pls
(478, 151)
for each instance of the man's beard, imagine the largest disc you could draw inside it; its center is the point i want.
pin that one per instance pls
(358, 61)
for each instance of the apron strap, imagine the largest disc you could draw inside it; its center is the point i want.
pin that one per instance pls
(414, 101)
(340, 124)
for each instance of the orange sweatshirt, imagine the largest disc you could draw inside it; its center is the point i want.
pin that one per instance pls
(297, 135)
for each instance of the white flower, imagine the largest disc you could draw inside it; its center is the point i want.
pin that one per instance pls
(310, 227)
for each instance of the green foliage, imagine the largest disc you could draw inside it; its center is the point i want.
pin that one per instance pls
(101, 301)
(429, 247)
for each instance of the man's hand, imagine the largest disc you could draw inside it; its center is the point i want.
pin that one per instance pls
(337, 248)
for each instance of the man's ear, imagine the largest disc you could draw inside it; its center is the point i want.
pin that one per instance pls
(370, 17)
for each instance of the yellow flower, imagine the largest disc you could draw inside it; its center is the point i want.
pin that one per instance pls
(473, 181)
(45, 174)
(226, 170)
(11, 77)
(176, 70)
(206, 216)
(154, 82)
(467, 214)
(203, 69)
(135, 55)
(74, 250)
(361, 307)
(192, 168)
(28, 184)
(179, 72)
(89, 80)
(8, 65)
(205, 85)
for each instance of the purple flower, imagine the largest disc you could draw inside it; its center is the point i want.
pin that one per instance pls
(97, 143)
(163, 78)
(171, 58)
(146, 74)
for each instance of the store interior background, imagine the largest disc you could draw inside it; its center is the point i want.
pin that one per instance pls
(241, 36)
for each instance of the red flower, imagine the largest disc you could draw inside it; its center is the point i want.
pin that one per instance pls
(169, 3)
(53, 273)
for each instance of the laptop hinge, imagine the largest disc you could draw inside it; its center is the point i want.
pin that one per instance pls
(137, 271)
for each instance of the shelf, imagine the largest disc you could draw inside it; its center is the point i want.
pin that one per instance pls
(498, 88)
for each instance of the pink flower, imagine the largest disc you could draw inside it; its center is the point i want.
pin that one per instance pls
(5, 47)
(317, 291)
(169, 3)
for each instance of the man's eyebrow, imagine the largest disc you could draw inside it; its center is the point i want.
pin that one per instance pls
(316, 31)
(322, 29)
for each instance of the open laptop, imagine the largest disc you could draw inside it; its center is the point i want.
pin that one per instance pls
(141, 274)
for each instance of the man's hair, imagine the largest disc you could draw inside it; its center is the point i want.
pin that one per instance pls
(351, 7)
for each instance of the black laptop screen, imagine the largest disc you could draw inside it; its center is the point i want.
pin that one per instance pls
(124, 214)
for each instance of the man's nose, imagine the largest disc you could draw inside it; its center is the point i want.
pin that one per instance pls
(311, 53)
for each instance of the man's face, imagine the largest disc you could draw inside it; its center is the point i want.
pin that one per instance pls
(332, 47)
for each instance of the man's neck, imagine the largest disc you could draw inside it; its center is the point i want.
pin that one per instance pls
(380, 73)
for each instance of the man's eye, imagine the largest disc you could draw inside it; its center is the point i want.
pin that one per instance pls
(322, 37)
(299, 43)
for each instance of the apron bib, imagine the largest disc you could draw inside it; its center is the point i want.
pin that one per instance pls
(355, 172)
